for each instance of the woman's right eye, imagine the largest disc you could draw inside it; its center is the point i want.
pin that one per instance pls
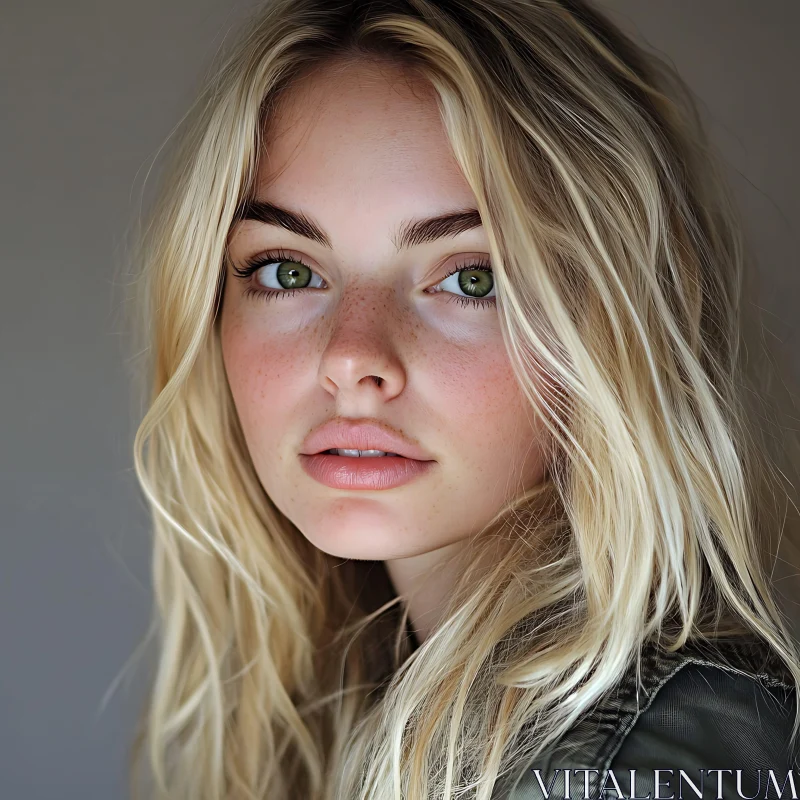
(277, 273)
(288, 275)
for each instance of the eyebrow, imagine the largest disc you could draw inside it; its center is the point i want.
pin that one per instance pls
(410, 233)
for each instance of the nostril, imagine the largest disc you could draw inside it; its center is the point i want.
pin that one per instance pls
(377, 380)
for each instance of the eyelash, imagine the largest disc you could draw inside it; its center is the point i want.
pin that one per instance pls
(264, 259)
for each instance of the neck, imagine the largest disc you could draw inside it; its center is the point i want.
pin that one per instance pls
(425, 581)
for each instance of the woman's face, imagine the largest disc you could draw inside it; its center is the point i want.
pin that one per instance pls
(361, 331)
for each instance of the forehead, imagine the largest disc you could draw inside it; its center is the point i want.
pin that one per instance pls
(360, 139)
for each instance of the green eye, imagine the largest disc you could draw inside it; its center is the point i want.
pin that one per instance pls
(293, 275)
(475, 282)
(287, 274)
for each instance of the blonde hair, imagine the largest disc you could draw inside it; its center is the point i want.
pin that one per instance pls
(285, 672)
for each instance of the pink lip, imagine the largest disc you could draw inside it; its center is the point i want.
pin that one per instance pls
(365, 434)
(358, 472)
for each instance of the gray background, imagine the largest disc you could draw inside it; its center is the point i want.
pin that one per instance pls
(90, 90)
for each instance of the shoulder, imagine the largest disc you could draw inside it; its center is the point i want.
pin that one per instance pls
(703, 707)
(736, 695)
(709, 717)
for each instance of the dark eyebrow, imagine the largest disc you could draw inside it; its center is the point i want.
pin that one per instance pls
(410, 233)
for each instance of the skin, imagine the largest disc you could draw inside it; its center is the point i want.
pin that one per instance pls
(360, 152)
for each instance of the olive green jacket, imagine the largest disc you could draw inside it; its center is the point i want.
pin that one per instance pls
(723, 716)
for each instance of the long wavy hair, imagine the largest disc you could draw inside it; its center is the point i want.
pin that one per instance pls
(619, 264)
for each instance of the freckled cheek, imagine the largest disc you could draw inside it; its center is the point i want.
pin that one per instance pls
(267, 373)
(475, 390)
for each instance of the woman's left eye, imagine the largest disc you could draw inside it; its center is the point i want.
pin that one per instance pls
(470, 284)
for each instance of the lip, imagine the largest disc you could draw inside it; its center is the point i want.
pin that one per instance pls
(362, 472)
(355, 472)
(360, 435)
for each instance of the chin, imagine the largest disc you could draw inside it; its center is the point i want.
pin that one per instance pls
(362, 528)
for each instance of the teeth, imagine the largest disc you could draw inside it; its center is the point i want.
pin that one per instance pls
(341, 451)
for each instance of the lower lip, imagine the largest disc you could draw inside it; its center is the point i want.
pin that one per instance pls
(363, 472)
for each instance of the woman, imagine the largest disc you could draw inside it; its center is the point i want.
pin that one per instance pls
(455, 484)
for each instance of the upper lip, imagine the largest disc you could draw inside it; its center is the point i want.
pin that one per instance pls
(360, 435)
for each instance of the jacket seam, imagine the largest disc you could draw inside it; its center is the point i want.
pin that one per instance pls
(688, 660)
(624, 733)
(640, 710)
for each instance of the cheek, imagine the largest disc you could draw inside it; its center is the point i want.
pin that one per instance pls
(477, 394)
(266, 373)
(491, 431)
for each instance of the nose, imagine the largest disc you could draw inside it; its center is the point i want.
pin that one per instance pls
(360, 362)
